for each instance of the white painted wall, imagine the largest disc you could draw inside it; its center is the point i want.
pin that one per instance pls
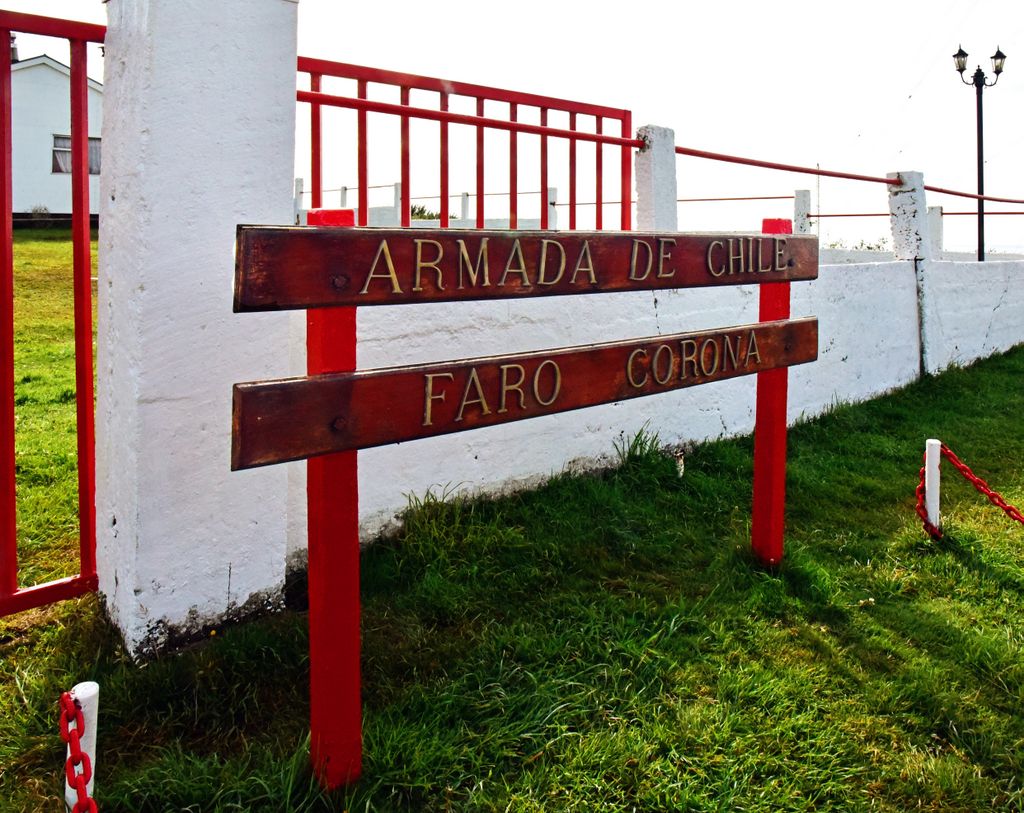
(193, 151)
(198, 137)
(41, 109)
(972, 310)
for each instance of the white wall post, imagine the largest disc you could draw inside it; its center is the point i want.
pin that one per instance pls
(552, 207)
(935, 231)
(932, 457)
(908, 217)
(802, 211)
(189, 153)
(656, 205)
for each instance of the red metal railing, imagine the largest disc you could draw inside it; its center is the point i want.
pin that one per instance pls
(14, 598)
(445, 90)
(754, 162)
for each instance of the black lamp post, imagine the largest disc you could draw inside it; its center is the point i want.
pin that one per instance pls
(980, 83)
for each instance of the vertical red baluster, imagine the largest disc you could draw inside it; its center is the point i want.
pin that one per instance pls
(8, 505)
(513, 171)
(406, 199)
(480, 167)
(445, 191)
(335, 705)
(627, 173)
(362, 160)
(82, 263)
(599, 178)
(544, 202)
(769, 509)
(572, 174)
(315, 137)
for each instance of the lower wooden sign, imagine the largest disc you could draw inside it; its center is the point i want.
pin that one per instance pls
(296, 418)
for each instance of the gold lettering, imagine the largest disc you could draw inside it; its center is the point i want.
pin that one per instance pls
(421, 264)
(544, 244)
(760, 258)
(589, 267)
(383, 249)
(517, 251)
(688, 350)
(664, 255)
(516, 386)
(780, 249)
(428, 394)
(750, 254)
(733, 255)
(711, 268)
(633, 259)
(703, 353)
(629, 368)
(656, 364)
(474, 273)
(556, 384)
(752, 351)
(473, 382)
(730, 352)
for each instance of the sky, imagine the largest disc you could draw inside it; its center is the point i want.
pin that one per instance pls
(866, 87)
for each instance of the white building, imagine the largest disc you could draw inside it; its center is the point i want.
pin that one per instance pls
(41, 133)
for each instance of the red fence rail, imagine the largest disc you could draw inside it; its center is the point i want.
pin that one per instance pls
(13, 597)
(514, 104)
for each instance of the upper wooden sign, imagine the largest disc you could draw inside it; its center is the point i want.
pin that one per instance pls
(280, 268)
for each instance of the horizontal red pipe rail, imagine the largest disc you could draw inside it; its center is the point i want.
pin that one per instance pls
(715, 200)
(47, 593)
(942, 191)
(735, 159)
(345, 70)
(51, 26)
(854, 214)
(459, 118)
(975, 214)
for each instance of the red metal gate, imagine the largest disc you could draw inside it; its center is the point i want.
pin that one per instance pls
(513, 103)
(14, 597)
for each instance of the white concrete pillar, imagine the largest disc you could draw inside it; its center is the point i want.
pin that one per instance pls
(552, 207)
(656, 180)
(198, 134)
(908, 217)
(298, 202)
(802, 212)
(935, 231)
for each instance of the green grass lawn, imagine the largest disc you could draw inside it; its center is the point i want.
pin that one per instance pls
(44, 398)
(606, 642)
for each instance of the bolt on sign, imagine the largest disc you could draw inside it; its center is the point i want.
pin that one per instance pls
(326, 416)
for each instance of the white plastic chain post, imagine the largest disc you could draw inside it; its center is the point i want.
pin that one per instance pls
(932, 456)
(88, 696)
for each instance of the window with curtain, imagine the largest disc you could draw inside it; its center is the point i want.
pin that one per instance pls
(62, 155)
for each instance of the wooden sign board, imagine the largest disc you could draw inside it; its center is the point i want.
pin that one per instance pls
(278, 268)
(290, 419)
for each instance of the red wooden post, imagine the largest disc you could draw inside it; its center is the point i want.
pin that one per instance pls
(335, 701)
(769, 509)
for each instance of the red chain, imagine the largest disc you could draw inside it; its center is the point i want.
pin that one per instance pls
(922, 512)
(71, 712)
(993, 496)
